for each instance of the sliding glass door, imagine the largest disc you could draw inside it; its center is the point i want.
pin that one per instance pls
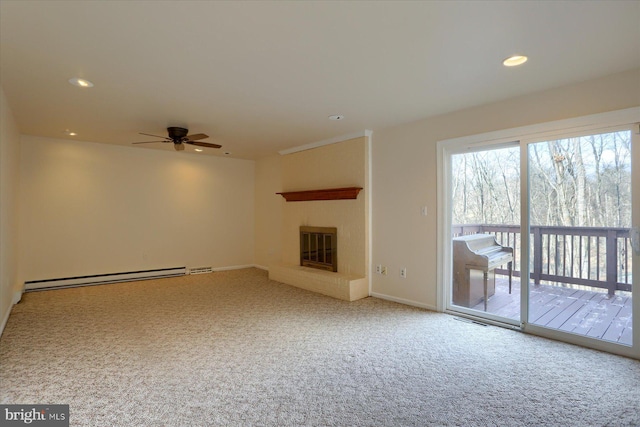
(580, 206)
(538, 229)
(485, 232)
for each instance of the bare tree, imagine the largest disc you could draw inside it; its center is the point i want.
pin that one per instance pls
(578, 181)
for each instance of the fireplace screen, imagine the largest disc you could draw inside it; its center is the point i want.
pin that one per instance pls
(319, 247)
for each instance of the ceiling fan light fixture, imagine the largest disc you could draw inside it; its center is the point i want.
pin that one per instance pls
(515, 60)
(178, 136)
(77, 81)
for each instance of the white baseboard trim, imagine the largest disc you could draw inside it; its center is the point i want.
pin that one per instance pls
(17, 296)
(261, 267)
(404, 301)
(233, 267)
(5, 319)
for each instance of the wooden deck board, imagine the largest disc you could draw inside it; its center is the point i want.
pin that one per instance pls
(625, 337)
(551, 305)
(511, 310)
(559, 305)
(563, 316)
(603, 323)
(502, 303)
(620, 328)
(588, 316)
(593, 314)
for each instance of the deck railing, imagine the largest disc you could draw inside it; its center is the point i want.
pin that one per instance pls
(587, 256)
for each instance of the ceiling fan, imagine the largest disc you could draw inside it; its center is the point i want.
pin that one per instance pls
(179, 137)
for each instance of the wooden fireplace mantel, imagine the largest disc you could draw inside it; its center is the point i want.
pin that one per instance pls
(325, 194)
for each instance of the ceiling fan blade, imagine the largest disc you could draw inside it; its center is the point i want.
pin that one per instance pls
(155, 136)
(197, 136)
(204, 144)
(146, 142)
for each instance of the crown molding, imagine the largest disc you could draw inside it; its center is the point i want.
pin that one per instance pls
(324, 142)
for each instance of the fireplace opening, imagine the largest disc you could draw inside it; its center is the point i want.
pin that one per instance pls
(319, 247)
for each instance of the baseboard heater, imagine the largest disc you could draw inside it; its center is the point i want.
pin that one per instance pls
(101, 279)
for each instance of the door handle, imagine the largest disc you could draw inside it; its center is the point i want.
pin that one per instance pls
(635, 239)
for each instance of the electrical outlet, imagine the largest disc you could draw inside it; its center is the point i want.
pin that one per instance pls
(383, 270)
(379, 269)
(403, 272)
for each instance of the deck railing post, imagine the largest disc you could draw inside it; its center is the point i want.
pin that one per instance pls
(612, 261)
(537, 254)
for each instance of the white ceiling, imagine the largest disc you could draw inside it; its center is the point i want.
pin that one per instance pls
(263, 76)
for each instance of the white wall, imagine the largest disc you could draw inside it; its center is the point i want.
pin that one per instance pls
(343, 164)
(268, 211)
(9, 181)
(91, 208)
(405, 173)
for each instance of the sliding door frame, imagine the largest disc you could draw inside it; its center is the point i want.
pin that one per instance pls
(524, 136)
(444, 238)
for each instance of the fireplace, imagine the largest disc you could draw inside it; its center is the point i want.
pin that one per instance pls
(319, 247)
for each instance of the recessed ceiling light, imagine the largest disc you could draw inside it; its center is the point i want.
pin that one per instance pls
(76, 81)
(336, 117)
(199, 150)
(68, 132)
(514, 60)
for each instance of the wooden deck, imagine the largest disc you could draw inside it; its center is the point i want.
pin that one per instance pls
(582, 312)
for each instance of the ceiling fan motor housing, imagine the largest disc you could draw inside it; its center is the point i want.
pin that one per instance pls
(177, 134)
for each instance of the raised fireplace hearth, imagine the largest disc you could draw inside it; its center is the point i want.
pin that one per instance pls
(344, 286)
(319, 247)
(318, 267)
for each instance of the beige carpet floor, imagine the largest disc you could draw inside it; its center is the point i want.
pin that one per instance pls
(235, 349)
